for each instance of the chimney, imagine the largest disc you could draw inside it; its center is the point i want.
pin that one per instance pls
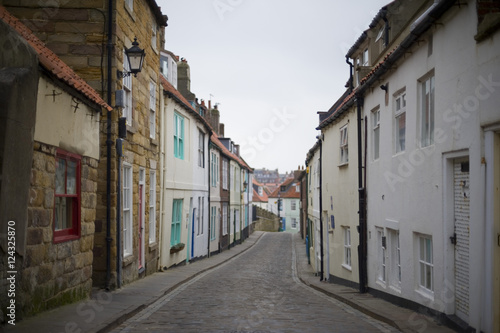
(184, 80)
(221, 130)
(210, 104)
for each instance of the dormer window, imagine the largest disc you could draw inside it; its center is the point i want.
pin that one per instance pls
(365, 57)
(283, 188)
(380, 34)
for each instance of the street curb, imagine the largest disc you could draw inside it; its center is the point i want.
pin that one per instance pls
(122, 318)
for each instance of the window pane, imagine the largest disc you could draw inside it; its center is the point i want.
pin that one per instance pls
(60, 171)
(428, 251)
(71, 178)
(64, 213)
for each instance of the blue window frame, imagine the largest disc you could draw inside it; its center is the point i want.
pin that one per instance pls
(178, 136)
(175, 235)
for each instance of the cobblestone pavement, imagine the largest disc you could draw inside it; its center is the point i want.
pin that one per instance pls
(256, 292)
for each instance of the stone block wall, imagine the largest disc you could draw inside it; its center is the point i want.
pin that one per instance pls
(56, 274)
(265, 220)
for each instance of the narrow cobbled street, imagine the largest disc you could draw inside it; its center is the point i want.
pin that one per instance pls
(256, 292)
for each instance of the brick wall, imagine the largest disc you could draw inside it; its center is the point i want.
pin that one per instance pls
(56, 274)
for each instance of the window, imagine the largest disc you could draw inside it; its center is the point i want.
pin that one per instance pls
(365, 58)
(152, 206)
(127, 87)
(395, 258)
(261, 191)
(67, 197)
(198, 217)
(130, 4)
(214, 169)
(347, 247)
(127, 210)
(381, 255)
(224, 174)
(231, 175)
(175, 234)
(426, 265)
(224, 219)
(154, 28)
(178, 136)
(201, 149)
(293, 205)
(400, 120)
(427, 112)
(376, 133)
(294, 223)
(152, 109)
(344, 153)
(213, 217)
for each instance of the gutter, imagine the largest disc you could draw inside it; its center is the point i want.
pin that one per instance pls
(320, 137)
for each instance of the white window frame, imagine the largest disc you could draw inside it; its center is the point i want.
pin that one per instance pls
(130, 4)
(376, 133)
(395, 258)
(127, 208)
(347, 262)
(425, 263)
(127, 88)
(366, 61)
(400, 116)
(152, 109)
(152, 206)
(427, 113)
(201, 148)
(382, 260)
(154, 31)
(213, 217)
(224, 218)
(344, 147)
(224, 173)
(293, 205)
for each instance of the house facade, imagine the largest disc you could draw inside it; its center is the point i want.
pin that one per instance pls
(314, 225)
(126, 222)
(56, 150)
(285, 202)
(422, 94)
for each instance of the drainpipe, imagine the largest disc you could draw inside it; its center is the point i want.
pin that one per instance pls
(320, 137)
(108, 148)
(362, 230)
(350, 73)
(386, 29)
(162, 178)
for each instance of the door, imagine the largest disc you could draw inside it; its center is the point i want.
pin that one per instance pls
(142, 176)
(460, 238)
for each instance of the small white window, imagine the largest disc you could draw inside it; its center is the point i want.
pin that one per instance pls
(152, 206)
(381, 255)
(400, 122)
(426, 266)
(376, 133)
(152, 109)
(127, 87)
(154, 29)
(344, 152)
(365, 58)
(347, 246)
(127, 212)
(427, 112)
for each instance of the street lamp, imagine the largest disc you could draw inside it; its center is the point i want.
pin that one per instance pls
(135, 58)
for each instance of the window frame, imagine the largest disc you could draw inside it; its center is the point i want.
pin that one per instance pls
(73, 232)
(427, 110)
(347, 258)
(175, 229)
(224, 218)
(152, 206)
(399, 112)
(376, 133)
(382, 260)
(127, 208)
(213, 217)
(201, 149)
(344, 145)
(225, 163)
(425, 267)
(178, 136)
(396, 271)
(152, 109)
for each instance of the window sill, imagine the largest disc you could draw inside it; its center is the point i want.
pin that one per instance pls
(396, 289)
(425, 293)
(130, 11)
(347, 267)
(132, 129)
(381, 283)
(128, 260)
(399, 153)
(154, 142)
(153, 246)
(343, 164)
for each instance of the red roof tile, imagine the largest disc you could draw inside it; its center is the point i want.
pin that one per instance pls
(50, 61)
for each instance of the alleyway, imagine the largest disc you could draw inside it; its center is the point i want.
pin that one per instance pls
(256, 292)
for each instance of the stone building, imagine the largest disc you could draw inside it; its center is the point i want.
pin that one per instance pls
(48, 165)
(91, 37)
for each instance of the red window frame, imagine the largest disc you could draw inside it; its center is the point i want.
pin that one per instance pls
(74, 232)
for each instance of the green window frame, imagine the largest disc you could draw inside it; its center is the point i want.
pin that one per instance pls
(175, 234)
(178, 136)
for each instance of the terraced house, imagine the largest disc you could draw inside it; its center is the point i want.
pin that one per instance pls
(49, 173)
(420, 125)
(91, 37)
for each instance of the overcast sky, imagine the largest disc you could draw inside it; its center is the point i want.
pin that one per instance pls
(269, 64)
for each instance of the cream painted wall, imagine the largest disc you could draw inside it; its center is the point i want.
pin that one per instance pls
(59, 124)
(340, 198)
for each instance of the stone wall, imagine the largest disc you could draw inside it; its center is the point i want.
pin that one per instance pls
(265, 220)
(56, 274)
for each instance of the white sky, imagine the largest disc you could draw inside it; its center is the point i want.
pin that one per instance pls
(269, 64)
